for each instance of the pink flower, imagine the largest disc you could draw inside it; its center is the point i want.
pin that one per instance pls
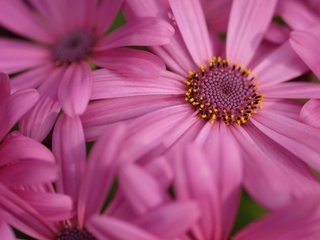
(220, 100)
(88, 182)
(6, 232)
(69, 36)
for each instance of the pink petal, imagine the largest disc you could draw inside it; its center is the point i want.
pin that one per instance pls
(142, 32)
(249, 20)
(108, 84)
(217, 14)
(141, 190)
(112, 228)
(297, 14)
(292, 90)
(281, 65)
(102, 164)
(302, 223)
(130, 62)
(52, 206)
(68, 146)
(6, 232)
(18, 17)
(4, 88)
(150, 8)
(305, 43)
(38, 122)
(17, 147)
(28, 172)
(192, 25)
(21, 216)
(171, 220)
(75, 89)
(310, 113)
(277, 34)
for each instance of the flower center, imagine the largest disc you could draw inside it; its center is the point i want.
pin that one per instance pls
(73, 47)
(223, 92)
(74, 234)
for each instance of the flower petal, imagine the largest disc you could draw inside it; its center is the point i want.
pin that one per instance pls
(192, 25)
(68, 146)
(310, 113)
(75, 89)
(249, 20)
(6, 232)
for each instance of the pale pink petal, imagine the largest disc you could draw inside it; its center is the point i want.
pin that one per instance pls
(104, 14)
(20, 215)
(130, 62)
(102, 164)
(6, 232)
(171, 220)
(305, 43)
(17, 55)
(281, 65)
(295, 136)
(297, 14)
(68, 146)
(111, 228)
(217, 14)
(249, 20)
(38, 122)
(52, 206)
(17, 147)
(28, 172)
(277, 34)
(75, 89)
(310, 113)
(16, 16)
(298, 220)
(192, 25)
(292, 90)
(142, 32)
(108, 84)
(148, 8)
(141, 190)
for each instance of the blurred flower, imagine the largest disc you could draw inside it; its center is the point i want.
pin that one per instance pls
(220, 99)
(5, 232)
(66, 38)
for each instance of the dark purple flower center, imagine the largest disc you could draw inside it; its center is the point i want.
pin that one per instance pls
(223, 92)
(75, 234)
(73, 47)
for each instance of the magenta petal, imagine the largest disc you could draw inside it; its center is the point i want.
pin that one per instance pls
(142, 32)
(68, 146)
(111, 228)
(306, 44)
(75, 89)
(102, 164)
(310, 113)
(249, 20)
(4, 88)
(6, 232)
(140, 188)
(38, 122)
(192, 25)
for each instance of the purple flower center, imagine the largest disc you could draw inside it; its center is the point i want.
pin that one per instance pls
(74, 234)
(223, 92)
(73, 47)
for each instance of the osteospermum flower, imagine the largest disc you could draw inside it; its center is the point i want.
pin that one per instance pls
(6, 232)
(221, 98)
(88, 182)
(65, 38)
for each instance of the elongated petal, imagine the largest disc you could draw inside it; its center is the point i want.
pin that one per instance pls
(192, 25)
(142, 32)
(304, 42)
(103, 162)
(140, 188)
(6, 232)
(130, 62)
(75, 89)
(68, 146)
(310, 113)
(18, 17)
(281, 65)
(249, 19)
(112, 228)
(20, 215)
(4, 88)
(17, 147)
(38, 122)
